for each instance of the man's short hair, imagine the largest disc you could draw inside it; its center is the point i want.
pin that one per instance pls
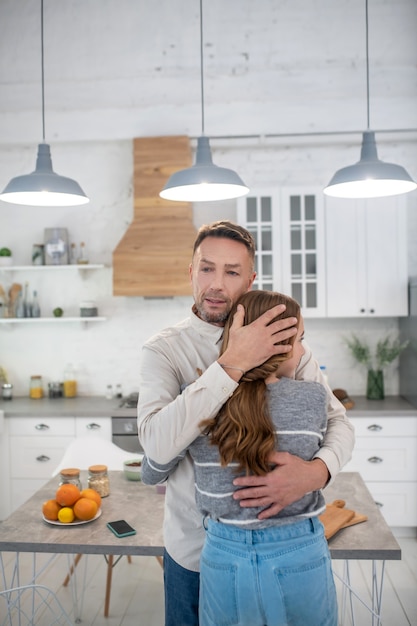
(228, 230)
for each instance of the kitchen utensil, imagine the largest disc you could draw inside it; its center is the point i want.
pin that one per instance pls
(337, 517)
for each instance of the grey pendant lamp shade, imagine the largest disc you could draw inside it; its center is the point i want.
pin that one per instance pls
(43, 187)
(204, 181)
(369, 177)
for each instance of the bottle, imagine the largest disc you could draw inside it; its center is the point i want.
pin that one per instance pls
(98, 479)
(35, 310)
(323, 369)
(109, 392)
(119, 393)
(73, 254)
(26, 304)
(36, 388)
(70, 476)
(83, 257)
(20, 307)
(70, 383)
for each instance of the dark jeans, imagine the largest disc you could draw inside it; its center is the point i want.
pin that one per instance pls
(181, 594)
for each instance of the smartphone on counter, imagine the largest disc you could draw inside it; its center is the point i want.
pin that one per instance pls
(121, 528)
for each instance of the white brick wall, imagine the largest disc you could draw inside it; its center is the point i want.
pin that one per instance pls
(117, 70)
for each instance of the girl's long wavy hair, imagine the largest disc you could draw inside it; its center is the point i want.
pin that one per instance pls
(243, 429)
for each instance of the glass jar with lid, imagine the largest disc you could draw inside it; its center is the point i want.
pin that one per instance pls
(36, 387)
(98, 479)
(70, 475)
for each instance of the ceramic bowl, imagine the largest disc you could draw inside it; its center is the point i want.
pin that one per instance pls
(132, 469)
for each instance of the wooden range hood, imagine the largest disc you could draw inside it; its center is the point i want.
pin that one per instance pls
(153, 256)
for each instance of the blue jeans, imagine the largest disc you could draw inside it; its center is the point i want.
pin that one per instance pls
(181, 594)
(278, 576)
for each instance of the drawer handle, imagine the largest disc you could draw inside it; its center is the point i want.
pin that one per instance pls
(42, 427)
(93, 426)
(375, 459)
(42, 458)
(379, 504)
(375, 427)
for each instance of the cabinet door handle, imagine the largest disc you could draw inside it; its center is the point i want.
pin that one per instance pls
(42, 427)
(93, 426)
(375, 459)
(42, 458)
(379, 504)
(375, 427)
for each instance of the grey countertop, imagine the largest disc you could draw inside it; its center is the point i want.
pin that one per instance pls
(98, 406)
(81, 406)
(392, 405)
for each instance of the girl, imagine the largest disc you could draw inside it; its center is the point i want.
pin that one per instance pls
(277, 571)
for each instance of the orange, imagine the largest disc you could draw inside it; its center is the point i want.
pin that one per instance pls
(91, 494)
(50, 509)
(67, 494)
(85, 509)
(66, 515)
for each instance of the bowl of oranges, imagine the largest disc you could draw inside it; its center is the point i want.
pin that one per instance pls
(72, 505)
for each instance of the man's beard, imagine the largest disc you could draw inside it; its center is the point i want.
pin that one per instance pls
(213, 317)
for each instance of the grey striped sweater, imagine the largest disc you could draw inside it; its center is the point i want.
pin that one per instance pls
(299, 413)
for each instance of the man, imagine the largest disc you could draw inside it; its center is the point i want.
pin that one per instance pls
(183, 381)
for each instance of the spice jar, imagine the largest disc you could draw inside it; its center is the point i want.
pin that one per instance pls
(7, 391)
(70, 475)
(98, 479)
(36, 388)
(70, 383)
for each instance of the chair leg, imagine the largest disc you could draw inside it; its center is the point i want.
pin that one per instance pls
(108, 585)
(72, 568)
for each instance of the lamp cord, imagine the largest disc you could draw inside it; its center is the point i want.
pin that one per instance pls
(43, 77)
(367, 63)
(201, 67)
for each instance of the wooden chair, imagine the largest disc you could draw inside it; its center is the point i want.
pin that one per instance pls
(83, 452)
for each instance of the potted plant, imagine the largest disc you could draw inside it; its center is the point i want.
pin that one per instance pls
(5, 256)
(387, 350)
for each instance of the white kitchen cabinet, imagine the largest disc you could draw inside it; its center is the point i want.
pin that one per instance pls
(93, 427)
(366, 257)
(385, 456)
(37, 445)
(288, 228)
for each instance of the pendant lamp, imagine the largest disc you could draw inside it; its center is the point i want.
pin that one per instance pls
(204, 181)
(369, 177)
(43, 187)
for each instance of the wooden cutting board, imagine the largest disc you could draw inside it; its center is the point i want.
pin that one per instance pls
(337, 517)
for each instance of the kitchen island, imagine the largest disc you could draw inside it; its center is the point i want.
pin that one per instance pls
(142, 507)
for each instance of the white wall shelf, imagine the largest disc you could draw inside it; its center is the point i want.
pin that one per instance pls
(50, 320)
(81, 267)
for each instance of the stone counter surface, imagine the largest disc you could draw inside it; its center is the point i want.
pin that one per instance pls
(98, 406)
(82, 406)
(393, 406)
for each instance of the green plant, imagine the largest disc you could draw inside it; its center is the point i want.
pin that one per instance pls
(387, 350)
(5, 252)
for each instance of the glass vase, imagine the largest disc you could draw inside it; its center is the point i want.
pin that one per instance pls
(375, 385)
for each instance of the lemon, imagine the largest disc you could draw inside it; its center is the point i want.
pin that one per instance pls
(66, 515)
(58, 312)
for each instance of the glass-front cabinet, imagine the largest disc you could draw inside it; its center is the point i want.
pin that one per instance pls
(288, 227)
